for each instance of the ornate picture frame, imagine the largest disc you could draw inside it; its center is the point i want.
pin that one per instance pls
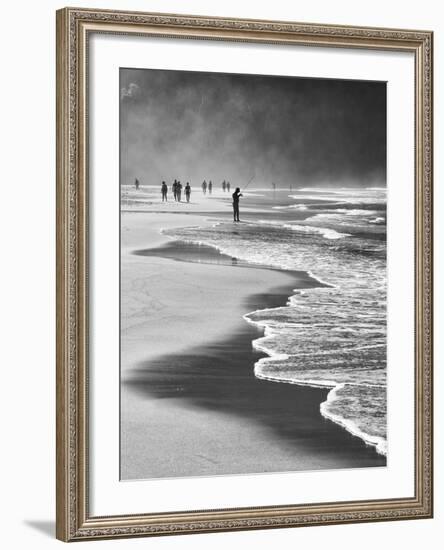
(74, 518)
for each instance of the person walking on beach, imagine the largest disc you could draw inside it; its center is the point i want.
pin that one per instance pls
(236, 196)
(187, 191)
(204, 187)
(178, 190)
(210, 187)
(175, 190)
(224, 186)
(228, 186)
(136, 183)
(164, 192)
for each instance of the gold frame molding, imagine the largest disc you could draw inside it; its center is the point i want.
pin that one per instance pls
(73, 519)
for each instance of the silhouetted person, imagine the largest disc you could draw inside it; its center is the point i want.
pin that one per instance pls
(210, 187)
(164, 191)
(178, 190)
(175, 190)
(224, 186)
(228, 186)
(136, 183)
(204, 187)
(187, 191)
(236, 196)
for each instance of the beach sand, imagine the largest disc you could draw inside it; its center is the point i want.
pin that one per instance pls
(190, 403)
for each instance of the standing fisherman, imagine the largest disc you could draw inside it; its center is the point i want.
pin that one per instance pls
(204, 187)
(164, 189)
(187, 191)
(236, 196)
(210, 187)
(136, 183)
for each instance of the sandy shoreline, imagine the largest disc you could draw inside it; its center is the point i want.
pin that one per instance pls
(188, 384)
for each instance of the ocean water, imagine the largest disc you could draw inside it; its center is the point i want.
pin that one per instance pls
(332, 336)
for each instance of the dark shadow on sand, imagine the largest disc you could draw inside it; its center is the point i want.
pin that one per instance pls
(182, 251)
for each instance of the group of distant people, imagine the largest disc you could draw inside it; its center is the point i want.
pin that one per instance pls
(226, 186)
(177, 192)
(206, 186)
(209, 187)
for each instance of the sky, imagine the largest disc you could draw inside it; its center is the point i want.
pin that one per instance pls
(275, 129)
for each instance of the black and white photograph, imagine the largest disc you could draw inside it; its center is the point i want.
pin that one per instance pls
(252, 274)
(220, 285)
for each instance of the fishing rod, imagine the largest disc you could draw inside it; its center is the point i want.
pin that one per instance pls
(249, 181)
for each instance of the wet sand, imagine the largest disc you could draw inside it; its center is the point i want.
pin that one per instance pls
(203, 254)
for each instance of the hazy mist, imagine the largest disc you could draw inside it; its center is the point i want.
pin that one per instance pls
(191, 126)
